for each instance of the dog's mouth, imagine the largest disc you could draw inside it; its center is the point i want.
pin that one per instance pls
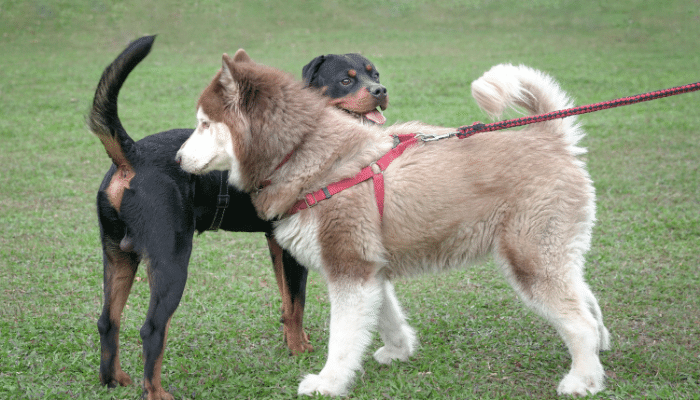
(374, 116)
(364, 106)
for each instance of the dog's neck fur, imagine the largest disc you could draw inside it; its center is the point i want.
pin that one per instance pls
(337, 148)
(327, 144)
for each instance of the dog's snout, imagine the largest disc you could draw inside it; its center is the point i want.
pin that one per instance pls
(378, 91)
(178, 155)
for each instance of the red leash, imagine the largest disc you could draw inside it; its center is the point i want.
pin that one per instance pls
(406, 141)
(468, 130)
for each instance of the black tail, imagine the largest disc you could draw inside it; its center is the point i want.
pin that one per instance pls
(104, 118)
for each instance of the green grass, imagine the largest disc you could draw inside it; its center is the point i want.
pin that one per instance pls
(477, 340)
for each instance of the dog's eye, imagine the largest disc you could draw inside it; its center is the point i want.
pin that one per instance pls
(346, 81)
(205, 124)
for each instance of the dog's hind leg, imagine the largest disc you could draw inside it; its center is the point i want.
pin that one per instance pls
(119, 271)
(570, 314)
(399, 338)
(598, 315)
(353, 318)
(291, 281)
(167, 283)
(550, 280)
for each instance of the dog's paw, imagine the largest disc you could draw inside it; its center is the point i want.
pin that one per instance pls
(574, 385)
(313, 384)
(386, 354)
(159, 394)
(402, 350)
(123, 378)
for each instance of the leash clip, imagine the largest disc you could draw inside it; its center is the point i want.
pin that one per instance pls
(431, 138)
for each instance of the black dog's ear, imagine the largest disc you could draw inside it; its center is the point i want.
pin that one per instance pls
(310, 71)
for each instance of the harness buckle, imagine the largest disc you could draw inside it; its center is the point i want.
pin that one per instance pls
(307, 202)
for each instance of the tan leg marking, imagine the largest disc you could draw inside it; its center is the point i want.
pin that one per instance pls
(119, 280)
(292, 313)
(154, 387)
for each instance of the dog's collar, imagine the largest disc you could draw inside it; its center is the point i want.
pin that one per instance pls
(268, 181)
(222, 202)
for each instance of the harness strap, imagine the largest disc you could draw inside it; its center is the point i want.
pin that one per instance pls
(311, 199)
(222, 202)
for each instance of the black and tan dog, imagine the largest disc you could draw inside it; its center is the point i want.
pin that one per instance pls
(351, 82)
(149, 209)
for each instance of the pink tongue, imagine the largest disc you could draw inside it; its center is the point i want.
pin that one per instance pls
(376, 117)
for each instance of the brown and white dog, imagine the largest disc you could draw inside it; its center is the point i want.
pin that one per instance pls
(522, 196)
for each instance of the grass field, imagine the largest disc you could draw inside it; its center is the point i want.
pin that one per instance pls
(477, 340)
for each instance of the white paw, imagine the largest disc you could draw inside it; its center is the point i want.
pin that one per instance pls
(313, 384)
(386, 354)
(402, 350)
(580, 386)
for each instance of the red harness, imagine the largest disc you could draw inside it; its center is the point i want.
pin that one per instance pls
(311, 199)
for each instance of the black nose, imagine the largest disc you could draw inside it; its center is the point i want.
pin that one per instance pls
(378, 91)
(178, 159)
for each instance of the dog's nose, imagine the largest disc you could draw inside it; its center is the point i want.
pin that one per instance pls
(378, 91)
(178, 158)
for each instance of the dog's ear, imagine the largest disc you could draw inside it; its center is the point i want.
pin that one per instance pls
(227, 79)
(310, 71)
(236, 82)
(241, 56)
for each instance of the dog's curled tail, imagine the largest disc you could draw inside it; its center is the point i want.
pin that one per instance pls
(508, 86)
(103, 119)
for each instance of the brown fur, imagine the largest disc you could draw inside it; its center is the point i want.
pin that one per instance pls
(520, 195)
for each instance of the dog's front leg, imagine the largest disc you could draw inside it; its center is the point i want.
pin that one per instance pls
(354, 305)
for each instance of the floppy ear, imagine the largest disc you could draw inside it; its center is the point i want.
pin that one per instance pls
(310, 71)
(227, 79)
(241, 56)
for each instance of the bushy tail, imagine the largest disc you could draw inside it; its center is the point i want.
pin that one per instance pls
(507, 86)
(104, 118)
